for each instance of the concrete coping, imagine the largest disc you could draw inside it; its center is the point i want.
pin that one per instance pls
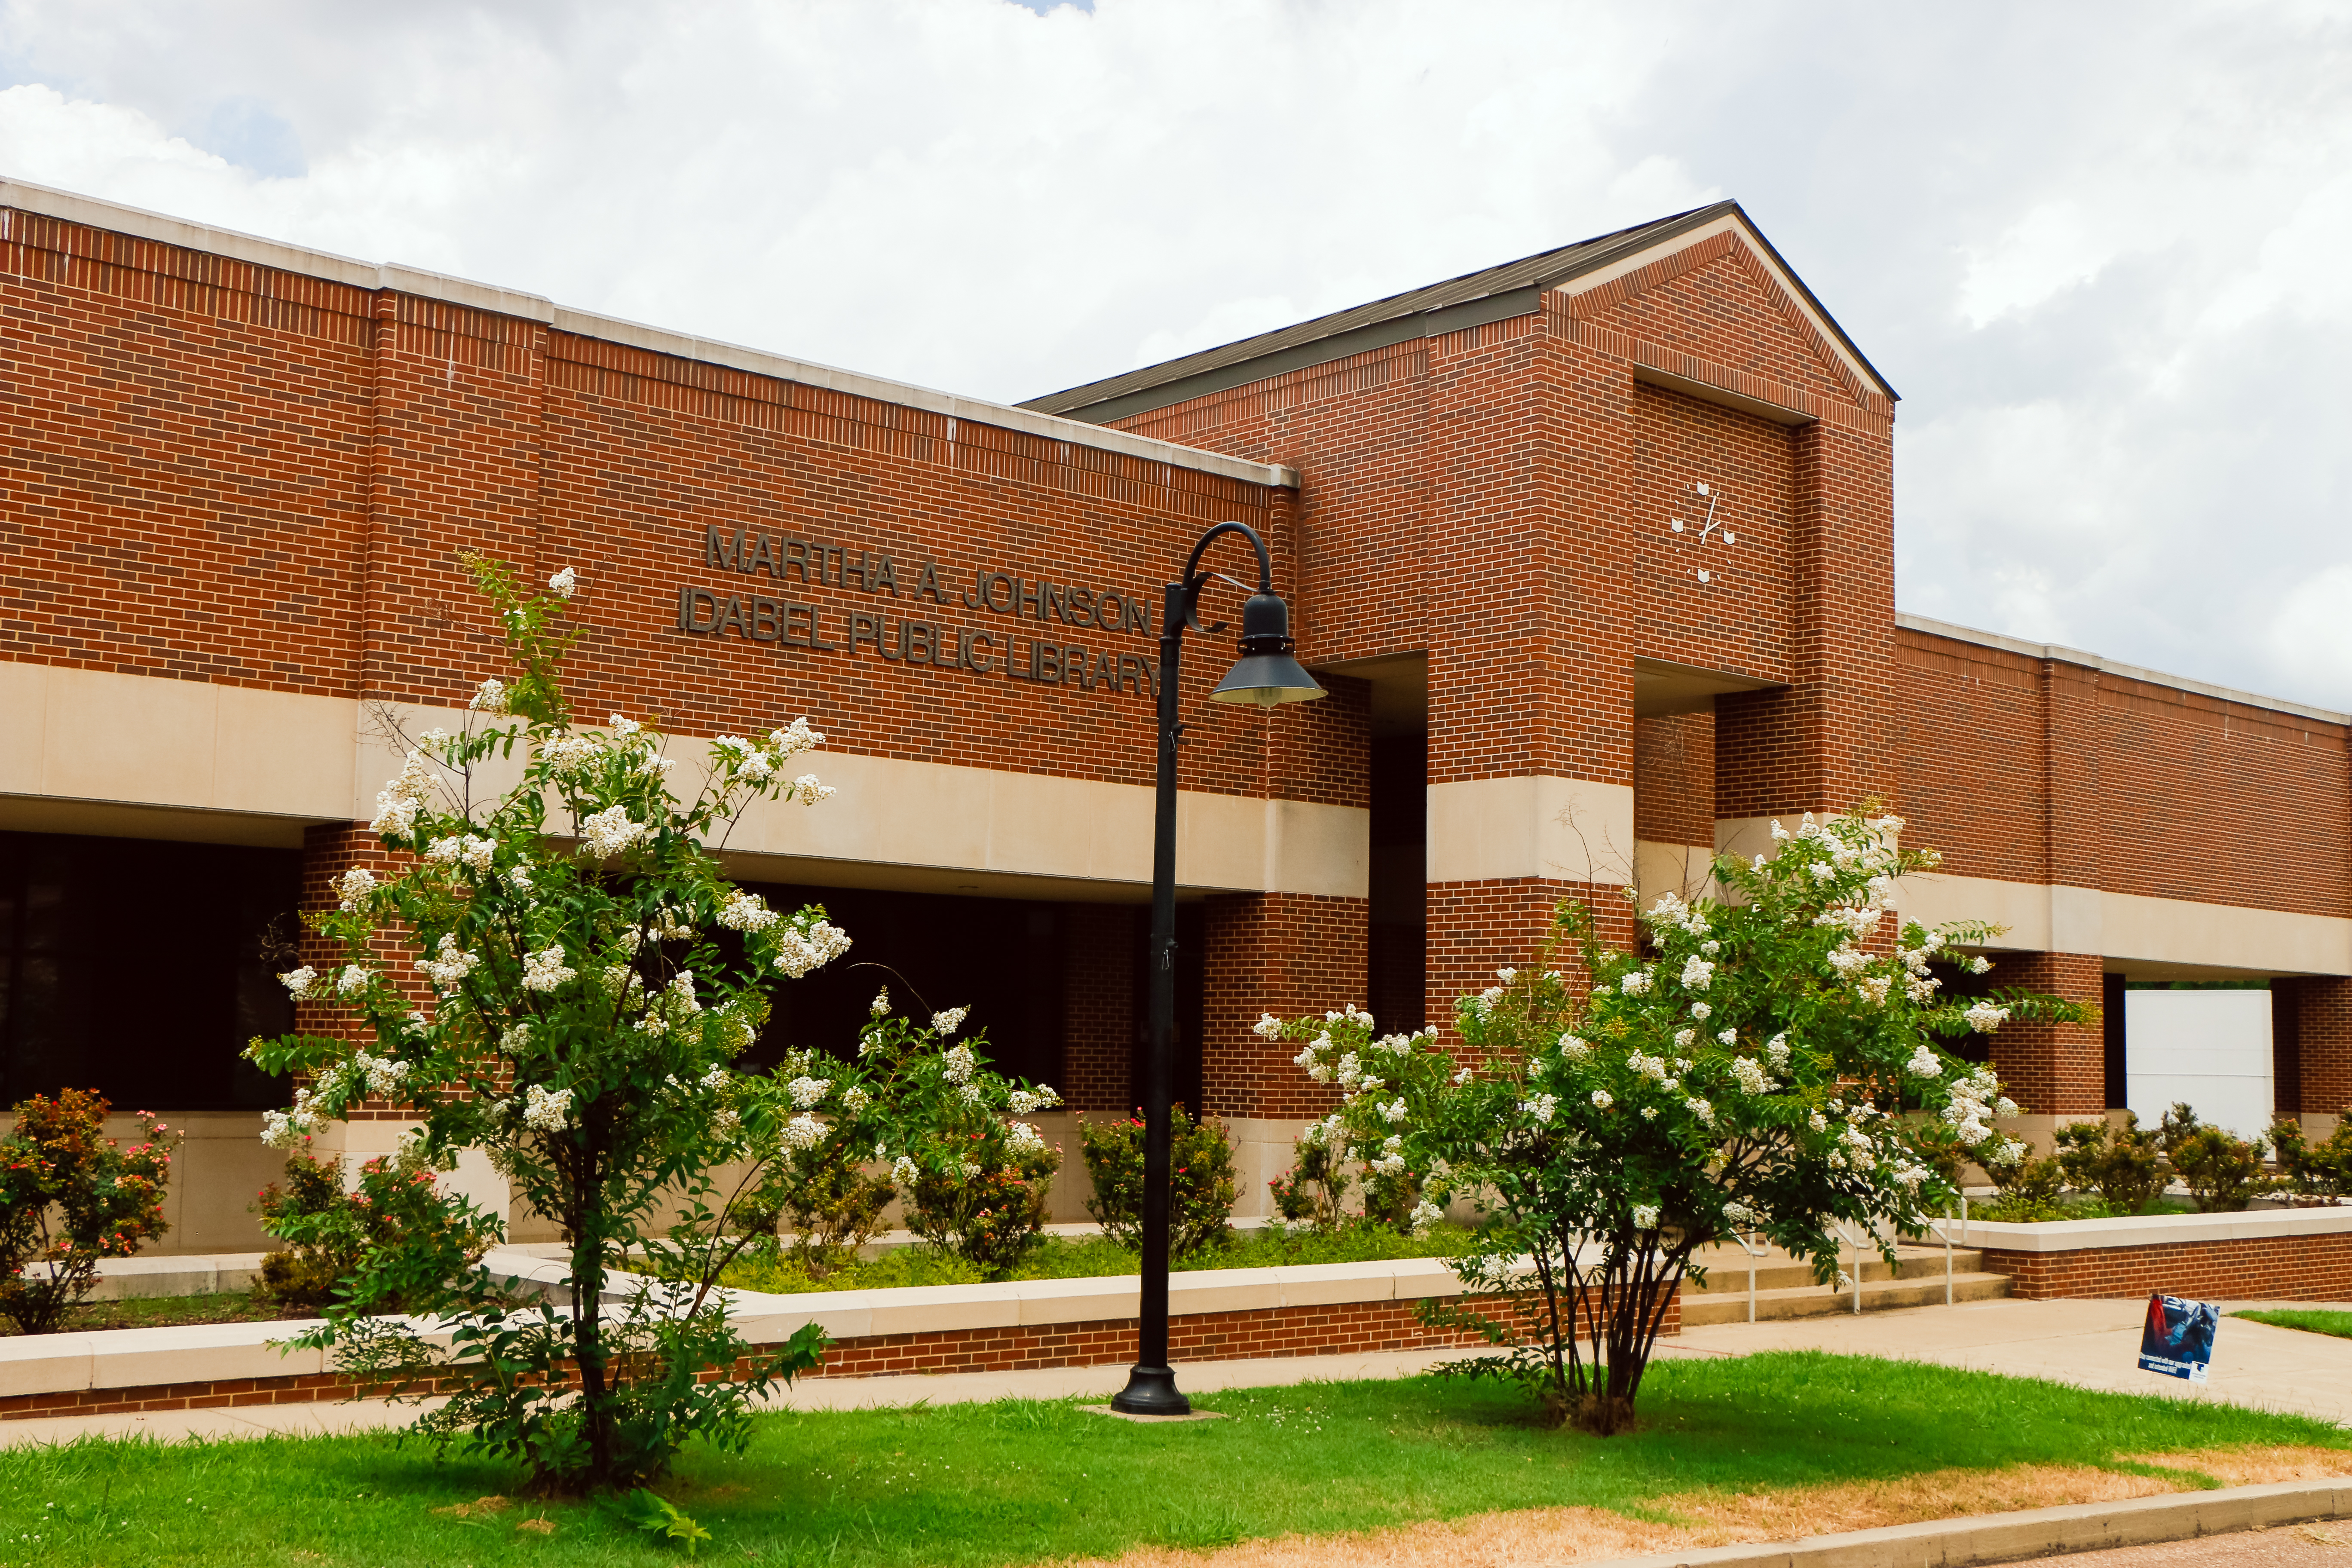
(209, 1353)
(2151, 1230)
(2030, 1532)
(140, 224)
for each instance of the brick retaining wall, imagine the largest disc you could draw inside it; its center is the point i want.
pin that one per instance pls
(1354, 1328)
(2277, 1268)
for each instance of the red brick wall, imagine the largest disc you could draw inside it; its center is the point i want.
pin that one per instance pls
(2284, 1269)
(184, 489)
(1099, 1007)
(2323, 1031)
(1286, 954)
(2043, 771)
(1674, 779)
(2052, 1069)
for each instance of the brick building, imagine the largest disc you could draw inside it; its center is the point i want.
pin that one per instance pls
(239, 474)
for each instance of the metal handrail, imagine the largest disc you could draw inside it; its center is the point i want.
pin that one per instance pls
(1748, 1246)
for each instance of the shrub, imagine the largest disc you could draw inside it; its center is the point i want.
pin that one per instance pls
(2314, 1171)
(2223, 1173)
(389, 1245)
(827, 1200)
(2121, 1163)
(977, 1179)
(1202, 1181)
(69, 1197)
(1311, 1192)
(591, 975)
(1749, 1068)
(2027, 1182)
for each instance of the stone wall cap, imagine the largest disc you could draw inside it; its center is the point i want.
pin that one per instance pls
(2152, 1230)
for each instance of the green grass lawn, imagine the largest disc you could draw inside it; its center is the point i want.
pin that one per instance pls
(1019, 1482)
(2312, 1320)
(1069, 1258)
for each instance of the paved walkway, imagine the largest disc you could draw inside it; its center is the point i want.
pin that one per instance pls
(2093, 1344)
(2302, 1546)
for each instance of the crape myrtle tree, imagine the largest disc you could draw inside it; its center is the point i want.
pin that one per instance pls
(1765, 1061)
(591, 976)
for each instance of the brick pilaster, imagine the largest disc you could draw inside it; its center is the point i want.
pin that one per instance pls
(2053, 1069)
(1287, 953)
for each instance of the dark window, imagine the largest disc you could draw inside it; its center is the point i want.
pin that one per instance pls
(1000, 957)
(2111, 1022)
(1398, 946)
(139, 969)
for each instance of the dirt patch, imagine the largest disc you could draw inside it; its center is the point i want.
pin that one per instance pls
(1549, 1535)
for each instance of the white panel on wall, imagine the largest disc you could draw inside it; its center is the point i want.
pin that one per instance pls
(2211, 1048)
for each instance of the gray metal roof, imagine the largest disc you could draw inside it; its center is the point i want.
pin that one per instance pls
(1492, 294)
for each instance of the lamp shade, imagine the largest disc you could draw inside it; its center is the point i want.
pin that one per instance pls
(1266, 674)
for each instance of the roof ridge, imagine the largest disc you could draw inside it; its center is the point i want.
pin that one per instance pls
(1469, 299)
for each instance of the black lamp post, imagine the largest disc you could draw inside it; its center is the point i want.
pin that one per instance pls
(1263, 676)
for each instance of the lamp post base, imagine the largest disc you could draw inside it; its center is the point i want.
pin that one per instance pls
(1150, 1391)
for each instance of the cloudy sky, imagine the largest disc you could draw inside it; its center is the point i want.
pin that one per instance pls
(2101, 249)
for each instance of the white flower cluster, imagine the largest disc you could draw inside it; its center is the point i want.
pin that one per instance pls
(1751, 1077)
(1574, 1050)
(808, 1092)
(947, 1023)
(383, 1075)
(449, 964)
(1925, 1063)
(284, 1129)
(490, 696)
(354, 885)
(1973, 1106)
(745, 911)
(610, 832)
(545, 1110)
(298, 982)
(799, 950)
(397, 803)
(1023, 1101)
(1984, 1017)
(1645, 1216)
(960, 1064)
(904, 1172)
(1542, 1107)
(1267, 1028)
(1635, 984)
(564, 584)
(1697, 973)
(567, 754)
(804, 1132)
(1024, 1139)
(545, 970)
(463, 850)
(1424, 1215)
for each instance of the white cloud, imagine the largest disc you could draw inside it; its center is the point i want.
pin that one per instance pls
(2050, 249)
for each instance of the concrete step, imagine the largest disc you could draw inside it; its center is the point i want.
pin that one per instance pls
(1778, 1271)
(1820, 1302)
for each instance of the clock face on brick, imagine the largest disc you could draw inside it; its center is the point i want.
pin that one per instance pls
(1706, 532)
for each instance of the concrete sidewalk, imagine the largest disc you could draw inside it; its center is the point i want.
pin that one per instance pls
(2092, 1344)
